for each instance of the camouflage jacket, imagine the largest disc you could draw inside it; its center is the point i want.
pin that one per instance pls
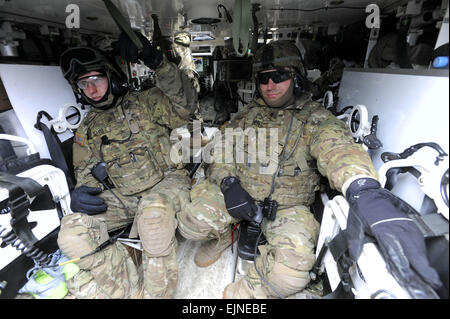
(317, 142)
(183, 53)
(136, 133)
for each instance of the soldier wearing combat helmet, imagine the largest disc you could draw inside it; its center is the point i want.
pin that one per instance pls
(311, 142)
(124, 173)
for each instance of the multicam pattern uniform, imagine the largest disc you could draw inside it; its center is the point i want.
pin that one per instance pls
(318, 142)
(183, 53)
(180, 46)
(146, 181)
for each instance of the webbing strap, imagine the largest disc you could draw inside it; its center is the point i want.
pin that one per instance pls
(30, 186)
(241, 25)
(431, 225)
(54, 147)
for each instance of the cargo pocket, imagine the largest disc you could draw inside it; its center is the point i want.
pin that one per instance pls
(134, 172)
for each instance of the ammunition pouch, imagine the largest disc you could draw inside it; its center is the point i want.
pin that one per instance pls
(134, 171)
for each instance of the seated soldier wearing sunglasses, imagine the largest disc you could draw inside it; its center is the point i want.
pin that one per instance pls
(124, 174)
(311, 140)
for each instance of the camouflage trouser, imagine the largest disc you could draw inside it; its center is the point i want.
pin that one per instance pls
(287, 257)
(111, 272)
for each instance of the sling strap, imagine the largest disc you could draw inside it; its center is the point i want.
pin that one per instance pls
(54, 147)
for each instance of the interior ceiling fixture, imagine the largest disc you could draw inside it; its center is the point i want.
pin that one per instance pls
(203, 13)
(205, 20)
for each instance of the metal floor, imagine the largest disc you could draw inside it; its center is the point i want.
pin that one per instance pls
(208, 283)
(204, 283)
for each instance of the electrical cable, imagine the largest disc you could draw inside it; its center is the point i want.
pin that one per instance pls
(272, 188)
(105, 244)
(256, 268)
(114, 238)
(106, 141)
(9, 237)
(283, 158)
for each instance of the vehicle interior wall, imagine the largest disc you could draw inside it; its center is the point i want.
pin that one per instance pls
(37, 34)
(333, 37)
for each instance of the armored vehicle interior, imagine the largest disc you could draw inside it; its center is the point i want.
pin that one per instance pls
(381, 66)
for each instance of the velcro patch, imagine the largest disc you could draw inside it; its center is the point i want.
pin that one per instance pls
(79, 139)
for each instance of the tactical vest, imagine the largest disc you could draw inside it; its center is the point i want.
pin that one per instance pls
(297, 178)
(135, 149)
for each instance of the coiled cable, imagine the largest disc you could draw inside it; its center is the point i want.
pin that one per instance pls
(9, 237)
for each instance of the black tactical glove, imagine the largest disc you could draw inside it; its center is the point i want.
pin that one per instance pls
(128, 51)
(238, 202)
(380, 214)
(83, 200)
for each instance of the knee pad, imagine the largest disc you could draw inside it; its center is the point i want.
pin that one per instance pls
(287, 271)
(191, 228)
(206, 214)
(156, 226)
(287, 281)
(241, 289)
(80, 234)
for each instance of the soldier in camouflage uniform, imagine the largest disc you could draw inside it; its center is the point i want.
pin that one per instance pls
(311, 141)
(128, 134)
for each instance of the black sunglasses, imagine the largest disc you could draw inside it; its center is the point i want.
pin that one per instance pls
(276, 76)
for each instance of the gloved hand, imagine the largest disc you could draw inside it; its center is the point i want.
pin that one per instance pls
(239, 203)
(83, 200)
(128, 50)
(376, 212)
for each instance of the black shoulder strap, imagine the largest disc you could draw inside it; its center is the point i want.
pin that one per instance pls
(54, 147)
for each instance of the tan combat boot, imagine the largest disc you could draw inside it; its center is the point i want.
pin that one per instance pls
(241, 289)
(211, 250)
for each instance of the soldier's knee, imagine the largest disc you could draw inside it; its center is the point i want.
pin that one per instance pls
(156, 225)
(190, 227)
(287, 280)
(79, 235)
(292, 237)
(206, 214)
(290, 270)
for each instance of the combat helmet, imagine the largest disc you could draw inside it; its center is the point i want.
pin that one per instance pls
(278, 54)
(74, 62)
